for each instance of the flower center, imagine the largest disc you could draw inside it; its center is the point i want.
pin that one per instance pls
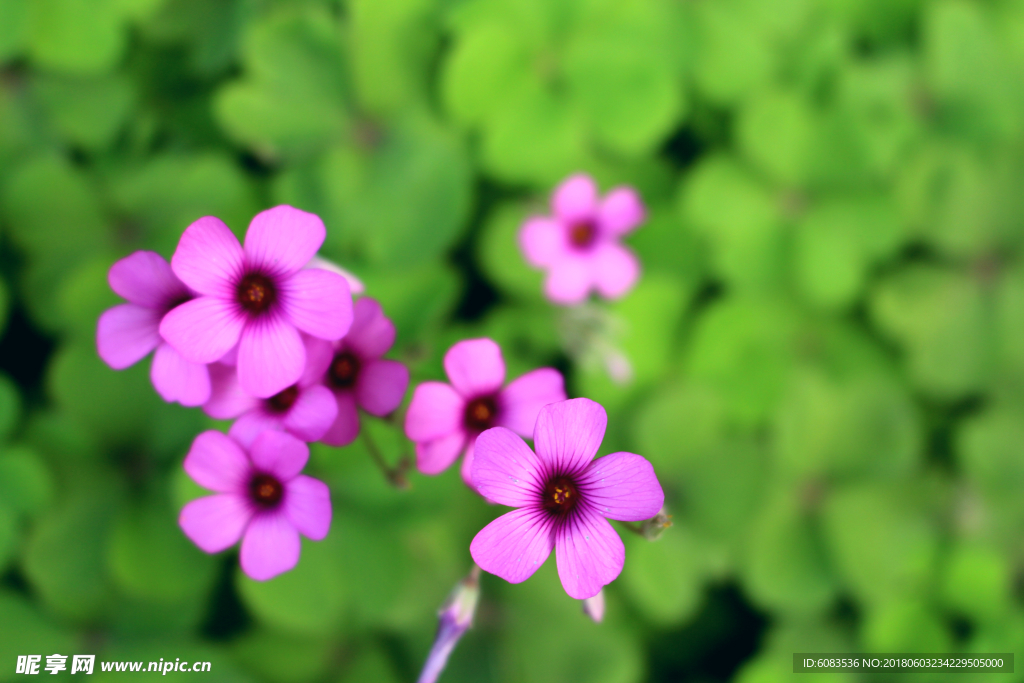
(256, 293)
(480, 413)
(582, 235)
(266, 490)
(560, 495)
(343, 371)
(282, 401)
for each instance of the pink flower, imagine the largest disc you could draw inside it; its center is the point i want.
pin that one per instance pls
(579, 246)
(260, 497)
(564, 497)
(444, 420)
(305, 410)
(353, 370)
(128, 332)
(258, 297)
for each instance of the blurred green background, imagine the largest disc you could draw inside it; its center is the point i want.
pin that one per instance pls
(827, 339)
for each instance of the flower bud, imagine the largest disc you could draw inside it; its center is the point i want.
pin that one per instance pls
(653, 528)
(594, 607)
(455, 616)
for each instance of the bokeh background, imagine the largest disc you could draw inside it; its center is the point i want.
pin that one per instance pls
(827, 342)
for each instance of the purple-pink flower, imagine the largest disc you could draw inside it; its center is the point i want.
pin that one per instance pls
(579, 245)
(260, 497)
(305, 410)
(258, 297)
(354, 371)
(128, 332)
(564, 496)
(444, 420)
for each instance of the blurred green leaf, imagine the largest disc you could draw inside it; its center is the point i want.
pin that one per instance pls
(24, 631)
(739, 218)
(391, 44)
(64, 558)
(76, 36)
(8, 535)
(786, 568)
(308, 600)
(664, 578)
(776, 130)
(13, 27)
(292, 98)
(991, 448)
(169, 192)
(26, 485)
(10, 406)
(939, 316)
(905, 625)
(976, 581)
(883, 546)
(151, 559)
(283, 658)
(502, 258)
(86, 111)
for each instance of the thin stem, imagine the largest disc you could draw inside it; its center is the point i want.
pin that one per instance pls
(395, 475)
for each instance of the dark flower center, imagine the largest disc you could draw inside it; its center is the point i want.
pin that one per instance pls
(582, 235)
(266, 490)
(480, 412)
(560, 495)
(343, 371)
(282, 401)
(256, 293)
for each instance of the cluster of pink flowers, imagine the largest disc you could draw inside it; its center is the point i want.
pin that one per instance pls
(259, 334)
(254, 332)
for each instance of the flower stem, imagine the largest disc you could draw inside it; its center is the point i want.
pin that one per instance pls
(395, 475)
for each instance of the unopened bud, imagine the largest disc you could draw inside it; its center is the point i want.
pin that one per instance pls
(455, 616)
(654, 527)
(354, 284)
(594, 607)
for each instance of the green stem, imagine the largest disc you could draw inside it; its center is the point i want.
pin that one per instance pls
(395, 475)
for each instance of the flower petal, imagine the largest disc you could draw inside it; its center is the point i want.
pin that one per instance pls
(620, 212)
(345, 428)
(270, 546)
(307, 503)
(218, 463)
(505, 470)
(575, 199)
(204, 329)
(318, 302)
(146, 279)
(319, 354)
(475, 367)
(227, 400)
(381, 386)
(215, 522)
(436, 410)
(271, 356)
(542, 241)
(208, 258)
(176, 379)
(569, 433)
(314, 412)
(622, 486)
(514, 545)
(614, 269)
(523, 398)
(126, 333)
(434, 457)
(589, 554)
(468, 456)
(247, 427)
(372, 334)
(283, 239)
(280, 454)
(568, 281)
